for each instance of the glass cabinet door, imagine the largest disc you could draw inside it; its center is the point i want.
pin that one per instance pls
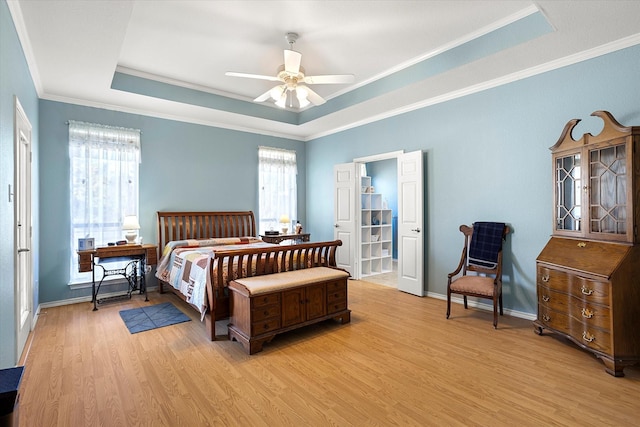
(568, 193)
(596, 182)
(608, 190)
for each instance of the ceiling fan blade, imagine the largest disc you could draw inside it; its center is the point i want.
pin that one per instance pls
(313, 97)
(265, 95)
(252, 76)
(329, 79)
(292, 61)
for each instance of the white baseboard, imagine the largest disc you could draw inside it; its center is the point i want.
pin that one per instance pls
(86, 298)
(457, 300)
(483, 306)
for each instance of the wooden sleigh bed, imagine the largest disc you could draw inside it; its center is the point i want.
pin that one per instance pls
(240, 255)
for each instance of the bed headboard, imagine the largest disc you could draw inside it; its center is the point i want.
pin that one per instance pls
(203, 225)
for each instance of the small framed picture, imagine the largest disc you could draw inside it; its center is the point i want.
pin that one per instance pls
(86, 244)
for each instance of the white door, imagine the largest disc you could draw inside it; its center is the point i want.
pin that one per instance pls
(410, 223)
(344, 216)
(23, 257)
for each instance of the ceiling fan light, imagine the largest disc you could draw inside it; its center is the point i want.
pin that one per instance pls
(301, 94)
(282, 100)
(276, 93)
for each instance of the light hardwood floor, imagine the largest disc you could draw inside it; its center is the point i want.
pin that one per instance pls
(399, 362)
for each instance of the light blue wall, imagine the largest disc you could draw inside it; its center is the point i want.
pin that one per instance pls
(487, 158)
(184, 167)
(384, 178)
(15, 80)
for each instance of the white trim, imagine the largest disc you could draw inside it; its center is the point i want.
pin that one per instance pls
(175, 117)
(25, 42)
(475, 304)
(626, 42)
(87, 298)
(22, 166)
(530, 10)
(483, 306)
(510, 78)
(381, 156)
(108, 281)
(180, 83)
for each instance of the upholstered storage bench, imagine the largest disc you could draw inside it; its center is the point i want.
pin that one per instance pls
(263, 306)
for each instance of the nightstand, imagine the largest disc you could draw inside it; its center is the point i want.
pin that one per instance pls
(277, 238)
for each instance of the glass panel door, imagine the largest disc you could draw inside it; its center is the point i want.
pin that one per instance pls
(568, 194)
(608, 195)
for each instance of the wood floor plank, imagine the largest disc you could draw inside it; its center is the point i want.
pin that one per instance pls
(399, 362)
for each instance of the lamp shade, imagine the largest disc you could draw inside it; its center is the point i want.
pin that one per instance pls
(282, 100)
(130, 222)
(284, 219)
(301, 94)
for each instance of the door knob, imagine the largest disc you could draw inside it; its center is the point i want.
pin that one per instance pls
(417, 230)
(336, 225)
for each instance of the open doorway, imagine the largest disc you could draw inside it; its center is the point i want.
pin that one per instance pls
(383, 177)
(359, 221)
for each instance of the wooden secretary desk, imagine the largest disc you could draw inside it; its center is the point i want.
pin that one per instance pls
(588, 274)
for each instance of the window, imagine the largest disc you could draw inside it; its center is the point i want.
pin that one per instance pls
(277, 175)
(104, 184)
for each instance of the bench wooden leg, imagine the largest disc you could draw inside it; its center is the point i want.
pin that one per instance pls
(210, 324)
(344, 317)
(250, 345)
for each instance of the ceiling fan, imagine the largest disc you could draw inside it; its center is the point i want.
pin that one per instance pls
(293, 92)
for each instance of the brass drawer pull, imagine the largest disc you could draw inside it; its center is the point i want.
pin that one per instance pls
(545, 298)
(546, 317)
(586, 313)
(588, 337)
(582, 244)
(545, 278)
(586, 291)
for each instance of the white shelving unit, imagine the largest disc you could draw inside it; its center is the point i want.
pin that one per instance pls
(375, 232)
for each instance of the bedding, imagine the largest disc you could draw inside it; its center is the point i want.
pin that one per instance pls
(187, 265)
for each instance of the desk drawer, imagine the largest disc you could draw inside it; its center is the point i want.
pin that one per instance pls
(84, 267)
(85, 261)
(580, 287)
(152, 256)
(582, 311)
(584, 332)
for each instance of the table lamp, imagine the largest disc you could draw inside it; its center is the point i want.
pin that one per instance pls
(131, 226)
(284, 220)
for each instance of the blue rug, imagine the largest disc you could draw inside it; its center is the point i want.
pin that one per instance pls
(152, 317)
